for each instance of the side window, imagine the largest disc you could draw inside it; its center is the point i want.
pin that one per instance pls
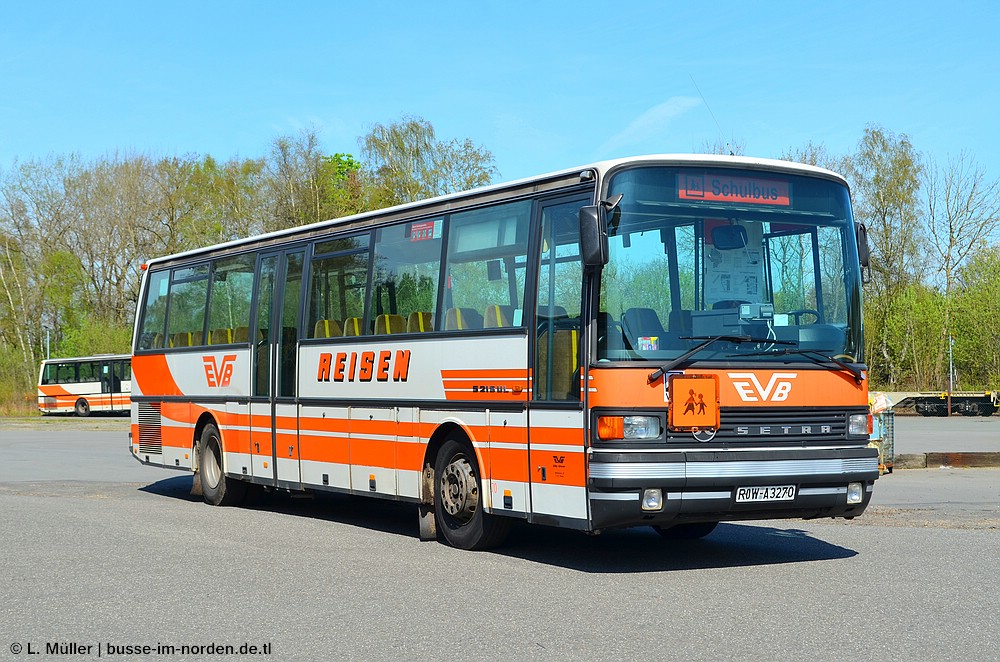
(186, 311)
(89, 372)
(66, 373)
(485, 270)
(560, 292)
(154, 320)
(405, 277)
(337, 283)
(229, 300)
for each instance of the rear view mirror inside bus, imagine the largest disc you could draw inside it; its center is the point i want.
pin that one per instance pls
(493, 272)
(729, 237)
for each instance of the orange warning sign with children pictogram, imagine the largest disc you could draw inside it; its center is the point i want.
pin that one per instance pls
(694, 402)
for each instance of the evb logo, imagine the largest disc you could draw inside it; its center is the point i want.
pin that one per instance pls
(219, 373)
(749, 388)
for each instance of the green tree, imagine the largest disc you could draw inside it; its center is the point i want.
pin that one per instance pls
(885, 177)
(977, 343)
(406, 162)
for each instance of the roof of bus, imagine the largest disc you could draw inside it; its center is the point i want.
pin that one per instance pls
(95, 357)
(602, 168)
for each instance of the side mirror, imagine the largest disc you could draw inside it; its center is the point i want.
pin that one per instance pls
(864, 251)
(594, 235)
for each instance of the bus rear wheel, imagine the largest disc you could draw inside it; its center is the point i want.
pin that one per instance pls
(692, 531)
(216, 488)
(82, 408)
(458, 501)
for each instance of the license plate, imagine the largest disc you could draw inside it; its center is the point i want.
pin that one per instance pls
(765, 493)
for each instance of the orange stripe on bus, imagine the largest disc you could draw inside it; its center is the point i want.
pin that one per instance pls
(519, 373)
(153, 375)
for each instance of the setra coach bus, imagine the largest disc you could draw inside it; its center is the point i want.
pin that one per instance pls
(665, 341)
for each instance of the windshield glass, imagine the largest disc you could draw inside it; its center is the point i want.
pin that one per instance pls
(701, 252)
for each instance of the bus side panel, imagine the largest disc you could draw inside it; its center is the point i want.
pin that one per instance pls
(323, 447)
(558, 466)
(372, 449)
(235, 430)
(505, 478)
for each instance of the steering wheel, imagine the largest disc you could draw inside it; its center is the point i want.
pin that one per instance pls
(797, 314)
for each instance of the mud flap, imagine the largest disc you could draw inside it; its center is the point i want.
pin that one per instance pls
(196, 485)
(425, 509)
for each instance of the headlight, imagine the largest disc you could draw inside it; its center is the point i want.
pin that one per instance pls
(628, 427)
(652, 499)
(857, 426)
(642, 427)
(855, 493)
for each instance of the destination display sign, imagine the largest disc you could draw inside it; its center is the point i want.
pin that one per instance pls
(720, 187)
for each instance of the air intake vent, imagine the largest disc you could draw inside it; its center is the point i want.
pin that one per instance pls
(150, 429)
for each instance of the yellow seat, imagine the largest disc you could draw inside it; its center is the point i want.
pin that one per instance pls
(353, 326)
(181, 339)
(498, 317)
(385, 324)
(220, 337)
(564, 382)
(461, 319)
(419, 322)
(327, 329)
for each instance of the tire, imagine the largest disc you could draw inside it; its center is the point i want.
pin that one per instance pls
(216, 488)
(82, 408)
(458, 501)
(692, 531)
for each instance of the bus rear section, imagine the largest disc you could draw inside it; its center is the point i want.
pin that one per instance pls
(83, 385)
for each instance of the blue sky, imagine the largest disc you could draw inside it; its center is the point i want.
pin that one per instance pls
(543, 85)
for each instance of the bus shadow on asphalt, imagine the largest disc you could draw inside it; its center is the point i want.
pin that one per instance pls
(614, 551)
(641, 549)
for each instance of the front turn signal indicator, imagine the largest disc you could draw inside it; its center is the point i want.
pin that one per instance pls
(610, 427)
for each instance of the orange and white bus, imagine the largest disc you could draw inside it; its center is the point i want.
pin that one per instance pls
(669, 341)
(86, 384)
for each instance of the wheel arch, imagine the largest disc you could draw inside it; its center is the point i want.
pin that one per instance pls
(450, 429)
(204, 420)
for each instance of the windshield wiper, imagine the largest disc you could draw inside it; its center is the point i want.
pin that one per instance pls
(706, 341)
(816, 355)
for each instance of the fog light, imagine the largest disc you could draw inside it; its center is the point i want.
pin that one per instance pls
(857, 426)
(652, 499)
(855, 493)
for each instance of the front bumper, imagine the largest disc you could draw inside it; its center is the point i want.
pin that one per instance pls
(701, 485)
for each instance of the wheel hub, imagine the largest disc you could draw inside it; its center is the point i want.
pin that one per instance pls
(459, 490)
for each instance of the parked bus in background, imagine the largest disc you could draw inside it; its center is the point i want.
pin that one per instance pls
(86, 384)
(669, 341)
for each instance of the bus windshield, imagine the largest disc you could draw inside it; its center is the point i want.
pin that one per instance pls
(765, 260)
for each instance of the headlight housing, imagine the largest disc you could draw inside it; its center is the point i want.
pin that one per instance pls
(857, 425)
(627, 428)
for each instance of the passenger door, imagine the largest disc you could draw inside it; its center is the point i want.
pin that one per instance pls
(556, 445)
(274, 438)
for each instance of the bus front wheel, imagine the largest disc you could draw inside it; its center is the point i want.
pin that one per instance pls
(216, 488)
(458, 501)
(82, 408)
